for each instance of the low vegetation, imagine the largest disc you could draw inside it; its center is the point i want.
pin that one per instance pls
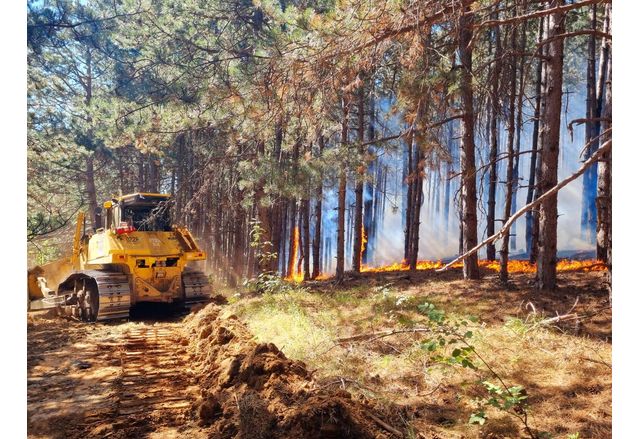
(507, 368)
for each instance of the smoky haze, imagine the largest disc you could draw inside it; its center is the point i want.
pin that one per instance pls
(439, 220)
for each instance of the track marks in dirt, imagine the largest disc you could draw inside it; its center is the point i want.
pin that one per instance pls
(108, 380)
(155, 375)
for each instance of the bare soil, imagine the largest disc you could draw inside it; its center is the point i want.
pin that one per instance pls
(116, 380)
(134, 379)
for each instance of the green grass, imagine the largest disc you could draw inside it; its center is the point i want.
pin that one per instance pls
(287, 321)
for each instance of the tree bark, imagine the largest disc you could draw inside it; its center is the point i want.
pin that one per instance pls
(511, 129)
(359, 189)
(342, 192)
(547, 240)
(470, 268)
(305, 237)
(494, 109)
(91, 192)
(369, 219)
(516, 158)
(317, 236)
(409, 197)
(604, 239)
(533, 223)
(292, 238)
(603, 196)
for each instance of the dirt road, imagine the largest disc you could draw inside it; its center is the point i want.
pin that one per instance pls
(127, 379)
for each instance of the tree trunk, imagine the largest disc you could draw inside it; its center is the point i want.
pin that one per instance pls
(358, 228)
(417, 177)
(534, 170)
(91, 192)
(587, 219)
(305, 237)
(369, 218)
(547, 240)
(293, 244)
(604, 239)
(317, 236)
(493, 138)
(516, 158)
(511, 129)
(264, 213)
(470, 268)
(415, 214)
(342, 193)
(409, 197)
(603, 244)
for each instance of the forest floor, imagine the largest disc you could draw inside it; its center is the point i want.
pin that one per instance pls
(215, 373)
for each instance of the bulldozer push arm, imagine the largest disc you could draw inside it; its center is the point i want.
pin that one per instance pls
(77, 241)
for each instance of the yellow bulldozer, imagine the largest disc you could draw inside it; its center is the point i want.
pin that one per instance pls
(137, 256)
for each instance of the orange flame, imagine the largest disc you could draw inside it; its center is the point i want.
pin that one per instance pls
(513, 266)
(295, 275)
(363, 243)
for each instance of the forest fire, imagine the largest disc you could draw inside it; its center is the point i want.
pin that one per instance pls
(363, 243)
(514, 266)
(295, 273)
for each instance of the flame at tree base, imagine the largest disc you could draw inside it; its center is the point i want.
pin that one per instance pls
(514, 266)
(295, 274)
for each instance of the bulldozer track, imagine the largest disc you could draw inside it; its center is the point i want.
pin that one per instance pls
(155, 379)
(114, 292)
(197, 288)
(93, 381)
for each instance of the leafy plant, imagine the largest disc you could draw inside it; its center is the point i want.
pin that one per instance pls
(270, 283)
(449, 344)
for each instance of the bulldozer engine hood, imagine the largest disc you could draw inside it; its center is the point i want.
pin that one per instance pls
(103, 246)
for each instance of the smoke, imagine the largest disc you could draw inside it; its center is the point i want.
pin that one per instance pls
(439, 215)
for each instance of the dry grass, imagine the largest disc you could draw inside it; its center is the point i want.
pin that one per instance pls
(565, 370)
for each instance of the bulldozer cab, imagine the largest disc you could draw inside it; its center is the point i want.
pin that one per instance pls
(139, 212)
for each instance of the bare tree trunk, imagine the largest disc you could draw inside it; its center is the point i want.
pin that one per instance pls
(369, 220)
(409, 200)
(91, 192)
(547, 241)
(511, 128)
(342, 193)
(317, 236)
(415, 213)
(356, 259)
(533, 223)
(264, 213)
(493, 138)
(603, 243)
(604, 238)
(516, 158)
(470, 268)
(292, 238)
(417, 177)
(278, 211)
(305, 237)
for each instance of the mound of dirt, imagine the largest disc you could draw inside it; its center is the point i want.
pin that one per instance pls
(251, 389)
